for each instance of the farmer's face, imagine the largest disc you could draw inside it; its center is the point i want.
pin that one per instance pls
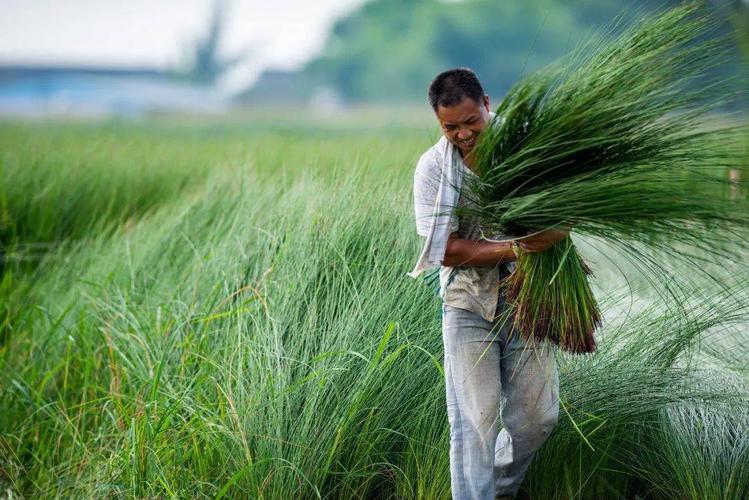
(463, 122)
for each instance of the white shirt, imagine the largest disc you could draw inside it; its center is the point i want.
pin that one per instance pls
(438, 180)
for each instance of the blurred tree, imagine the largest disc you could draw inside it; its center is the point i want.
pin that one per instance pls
(205, 64)
(389, 50)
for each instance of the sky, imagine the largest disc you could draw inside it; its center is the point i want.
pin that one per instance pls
(279, 34)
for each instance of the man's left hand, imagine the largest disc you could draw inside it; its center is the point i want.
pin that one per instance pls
(542, 241)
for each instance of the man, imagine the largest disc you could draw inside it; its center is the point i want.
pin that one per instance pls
(484, 359)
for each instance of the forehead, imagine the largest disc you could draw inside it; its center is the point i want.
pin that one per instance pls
(458, 113)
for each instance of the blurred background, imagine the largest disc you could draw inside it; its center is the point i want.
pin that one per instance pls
(80, 58)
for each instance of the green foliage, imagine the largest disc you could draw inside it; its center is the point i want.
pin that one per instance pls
(622, 124)
(255, 335)
(616, 138)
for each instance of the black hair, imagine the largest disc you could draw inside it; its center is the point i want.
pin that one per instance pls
(451, 86)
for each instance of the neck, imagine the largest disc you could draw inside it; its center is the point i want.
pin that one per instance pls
(467, 159)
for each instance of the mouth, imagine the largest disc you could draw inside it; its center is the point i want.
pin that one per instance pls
(467, 143)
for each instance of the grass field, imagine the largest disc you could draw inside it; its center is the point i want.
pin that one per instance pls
(221, 309)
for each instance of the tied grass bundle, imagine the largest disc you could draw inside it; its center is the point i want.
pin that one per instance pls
(561, 309)
(616, 140)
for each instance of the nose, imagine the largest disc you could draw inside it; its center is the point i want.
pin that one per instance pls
(464, 134)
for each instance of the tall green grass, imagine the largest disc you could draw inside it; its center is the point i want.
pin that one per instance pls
(621, 141)
(254, 334)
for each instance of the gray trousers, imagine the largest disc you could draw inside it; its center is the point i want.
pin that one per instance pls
(484, 368)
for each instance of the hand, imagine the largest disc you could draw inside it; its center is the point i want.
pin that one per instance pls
(542, 241)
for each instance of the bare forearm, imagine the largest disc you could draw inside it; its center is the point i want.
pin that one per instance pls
(463, 252)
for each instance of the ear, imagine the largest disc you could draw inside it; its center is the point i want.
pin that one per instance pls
(486, 102)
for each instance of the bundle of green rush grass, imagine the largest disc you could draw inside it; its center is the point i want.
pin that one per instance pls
(617, 141)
